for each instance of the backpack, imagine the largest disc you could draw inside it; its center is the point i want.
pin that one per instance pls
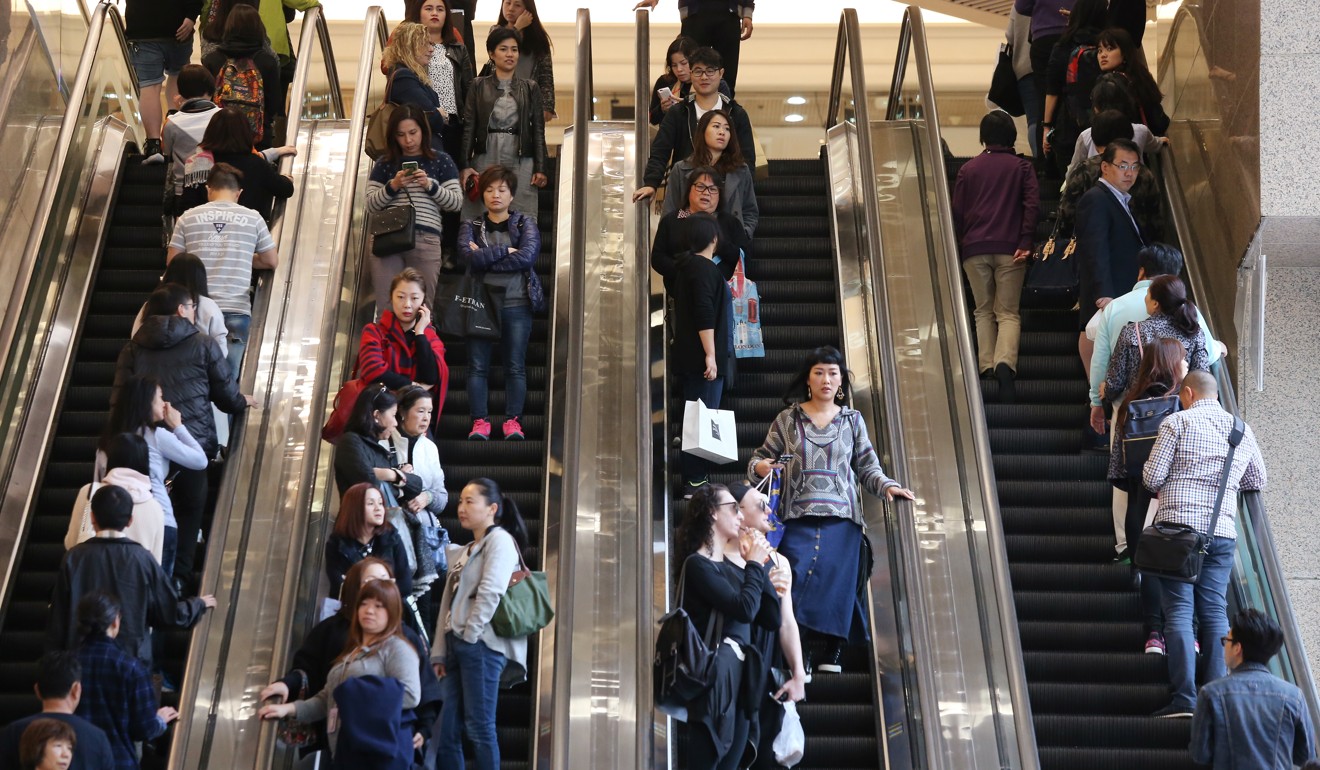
(240, 86)
(1083, 71)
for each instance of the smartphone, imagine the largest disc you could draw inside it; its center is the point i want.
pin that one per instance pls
(666, 93)
(410, 166)
(784, 458)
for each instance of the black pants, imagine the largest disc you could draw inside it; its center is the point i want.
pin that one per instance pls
(1040, 61)
(721, 30)
(188, 493)
(1152, 609)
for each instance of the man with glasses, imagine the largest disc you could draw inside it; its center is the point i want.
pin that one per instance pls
(1108, 239)
(674, 140)
(1251, 719)
(720, 24)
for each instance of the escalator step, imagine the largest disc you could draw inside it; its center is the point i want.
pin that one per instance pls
(815, 184)
(1058, 521)
(1096, 493)
(796, 226)
(793, 206)
(1042, 392)
(1033, 367)
(1114, 732)
(1035, 440)
(1107, 576)
(792, 248)
(1077, 636)
(1138, 699)
(1087, 548)
(795, 291)
(120, 256)
(1089, 466)
(134, 236)
(1081, 758)
(1048, 344)
(772, 269)
(1101, 667)
(796, 167)
(137, 215)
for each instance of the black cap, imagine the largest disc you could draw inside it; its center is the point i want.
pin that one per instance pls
(739, 490)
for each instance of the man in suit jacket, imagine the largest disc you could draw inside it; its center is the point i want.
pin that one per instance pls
(1108, 237)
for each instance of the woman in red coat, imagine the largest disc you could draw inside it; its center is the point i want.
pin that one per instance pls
(402, 348)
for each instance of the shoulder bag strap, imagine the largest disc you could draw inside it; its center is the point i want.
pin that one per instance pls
(1234, 438)
(1136, 328)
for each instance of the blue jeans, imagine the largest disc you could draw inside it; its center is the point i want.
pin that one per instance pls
(695, 386)
(238, 325)
(469, 691)
(515, 330)
(1207, 599)
(1032, 105)
(168, 548)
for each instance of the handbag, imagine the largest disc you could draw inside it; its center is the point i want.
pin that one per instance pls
(1142, 423)
(394, 230)
(525, 607)
(290, 730)
(747, 340)
(683, 658)
(1052, 276)
(467, 307)
(377, 141)
(1003, 91)
(1173, 551)
(343, 408)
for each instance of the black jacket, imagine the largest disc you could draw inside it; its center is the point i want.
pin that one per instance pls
(342, 553)
(192, 370)
(264, 59)
(674, 140)
(701, 301)
(1107, 246)
(670, 245)
(326, 641)
(356, 456)
(157, 19)
(124, 568)
(407, 88)
(476, 120)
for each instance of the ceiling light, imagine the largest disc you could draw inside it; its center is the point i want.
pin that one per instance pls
(796, 100)
(793, 118)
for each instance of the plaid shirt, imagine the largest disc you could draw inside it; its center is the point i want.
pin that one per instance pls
(118, 698)
(1187, 461)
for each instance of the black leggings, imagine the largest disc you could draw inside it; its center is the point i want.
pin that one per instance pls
(721, 30)
(702, 753)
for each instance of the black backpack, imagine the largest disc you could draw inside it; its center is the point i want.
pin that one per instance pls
(1083, 71)
(683, 658)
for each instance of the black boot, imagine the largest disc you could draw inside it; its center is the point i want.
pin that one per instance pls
(1007, 392)
(831, 663)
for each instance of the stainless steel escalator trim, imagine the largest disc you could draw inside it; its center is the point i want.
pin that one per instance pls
(17, 66)
(1252, 503)
(1003, 589)
(210, 645)
(878, 374)
(17, 468)
(553, 697)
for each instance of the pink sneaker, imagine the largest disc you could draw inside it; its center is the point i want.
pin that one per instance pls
(512, 429)
(1155, 644)
(480, 430)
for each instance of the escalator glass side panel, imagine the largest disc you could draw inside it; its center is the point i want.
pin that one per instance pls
(44, 260)
(962, 621)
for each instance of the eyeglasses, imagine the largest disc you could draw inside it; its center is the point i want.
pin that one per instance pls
(1226, 640)
(706, 188)
(1126, 166)
(734, 503)
(705, 73)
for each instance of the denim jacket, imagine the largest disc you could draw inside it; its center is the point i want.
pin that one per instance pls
(1253, 720)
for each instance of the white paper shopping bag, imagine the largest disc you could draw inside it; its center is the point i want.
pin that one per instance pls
(710, 434)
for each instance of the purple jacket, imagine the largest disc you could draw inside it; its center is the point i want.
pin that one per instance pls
(1045, 17)
(995, 203)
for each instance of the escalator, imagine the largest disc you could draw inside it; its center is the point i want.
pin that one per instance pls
(1066, 613)
(128, 272)
(793, 265)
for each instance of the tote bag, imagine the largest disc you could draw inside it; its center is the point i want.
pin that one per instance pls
(710, 434)
(525, 607)
(747, 341)
(1004, 92)
(467, 308)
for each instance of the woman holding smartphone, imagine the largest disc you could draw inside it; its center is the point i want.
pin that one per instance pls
(413, 173)
(401, 348)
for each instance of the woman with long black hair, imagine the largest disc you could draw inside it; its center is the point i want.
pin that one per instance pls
(830, 460)
(715, 144)
(474, 663)
(1118, 53)
(712, 586)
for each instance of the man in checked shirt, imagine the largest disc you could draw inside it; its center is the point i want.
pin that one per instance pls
(1184, 470)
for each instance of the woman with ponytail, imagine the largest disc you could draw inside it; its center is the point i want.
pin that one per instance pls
(473, 663)
(1172, 316)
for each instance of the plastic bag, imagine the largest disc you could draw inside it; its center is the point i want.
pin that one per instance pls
(791, 741)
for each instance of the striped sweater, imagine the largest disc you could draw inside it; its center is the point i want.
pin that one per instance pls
(443, 194)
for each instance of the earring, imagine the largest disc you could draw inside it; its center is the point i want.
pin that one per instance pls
(840, 397)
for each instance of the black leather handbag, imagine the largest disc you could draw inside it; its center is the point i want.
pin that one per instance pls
(394, 230)
(1172, 551)
(683, 658)
(1052, 273)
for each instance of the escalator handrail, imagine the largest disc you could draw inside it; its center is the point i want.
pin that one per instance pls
(913, 42)
(102, 15)
(1252, 503)
(246, 442)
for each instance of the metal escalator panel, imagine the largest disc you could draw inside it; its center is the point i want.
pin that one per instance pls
(961, 678)
(255, 549)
